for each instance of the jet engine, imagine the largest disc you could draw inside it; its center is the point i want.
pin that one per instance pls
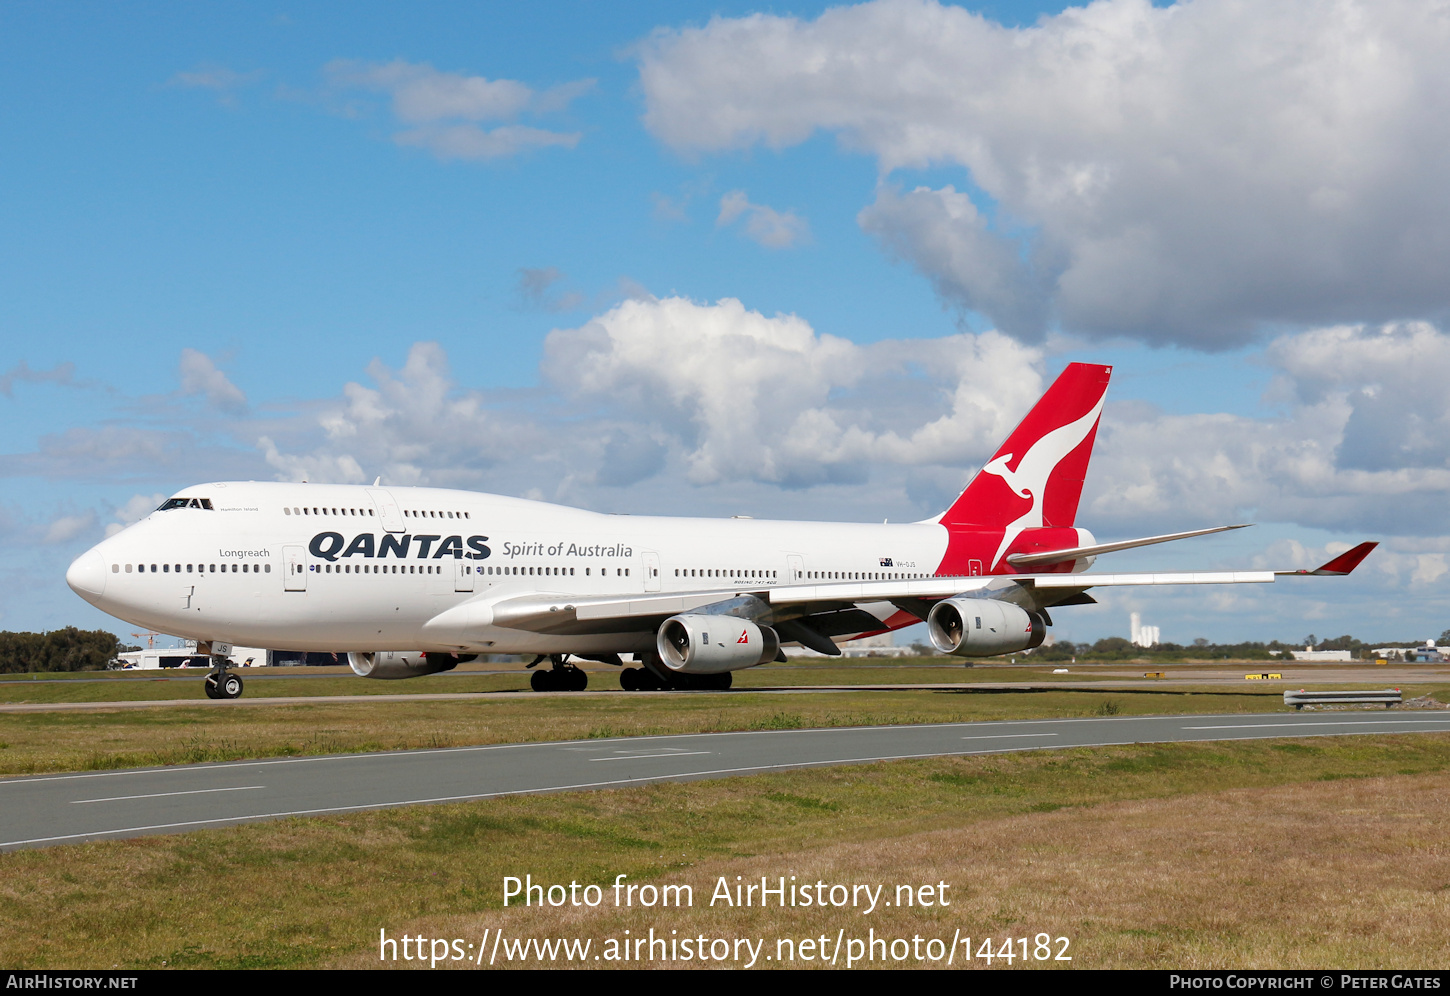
(398, 664)
(983, 627)
(708, 644)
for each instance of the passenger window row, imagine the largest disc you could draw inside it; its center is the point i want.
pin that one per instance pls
(315, 510)
(860, 575)
(520, 571)
(467, 569)
(373, 569)
(244, 568)
(695, 572)
(327, 511)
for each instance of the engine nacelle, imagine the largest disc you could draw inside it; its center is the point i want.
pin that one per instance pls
(392, 664)
(983, 627)
(706, 644)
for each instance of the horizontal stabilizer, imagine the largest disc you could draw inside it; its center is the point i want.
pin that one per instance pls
(1061, 556)
(1340, 565)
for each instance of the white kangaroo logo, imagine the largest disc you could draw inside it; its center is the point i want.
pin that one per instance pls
(1029, 480)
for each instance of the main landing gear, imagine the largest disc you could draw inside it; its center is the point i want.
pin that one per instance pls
(644, 679)
(221, 683)
(560, 677)
(653, 676)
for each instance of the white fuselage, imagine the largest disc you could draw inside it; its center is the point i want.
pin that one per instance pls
(352, 568)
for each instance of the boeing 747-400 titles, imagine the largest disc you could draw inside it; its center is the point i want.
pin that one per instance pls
(413, 581)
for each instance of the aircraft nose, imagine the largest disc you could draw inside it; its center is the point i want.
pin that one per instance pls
(87, 576)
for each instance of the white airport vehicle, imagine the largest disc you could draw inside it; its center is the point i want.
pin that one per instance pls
(412, 581)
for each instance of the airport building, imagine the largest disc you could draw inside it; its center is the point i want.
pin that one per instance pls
(1427, 653)
(1140, 635)
(186, 656)
(1310, 654)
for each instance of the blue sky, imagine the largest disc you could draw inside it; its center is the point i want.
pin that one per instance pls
(219, 216)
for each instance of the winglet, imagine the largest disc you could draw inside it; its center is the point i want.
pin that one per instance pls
(1340, 565)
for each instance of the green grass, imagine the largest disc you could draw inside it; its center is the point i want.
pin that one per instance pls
(80, 740)
(129, 687)
(310, 682)
(84, 740)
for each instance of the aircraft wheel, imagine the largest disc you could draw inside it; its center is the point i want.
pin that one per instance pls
(579, 680)
(210, 683)
(539, 681)
(629, 679)
(721, 681)
(230, 687)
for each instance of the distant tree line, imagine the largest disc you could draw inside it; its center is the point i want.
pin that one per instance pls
(68, 649)
(1116, 648)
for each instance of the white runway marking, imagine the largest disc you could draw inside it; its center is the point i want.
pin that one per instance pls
(162, 795)
(1357, 722)
(636, 757)
(1008, 736)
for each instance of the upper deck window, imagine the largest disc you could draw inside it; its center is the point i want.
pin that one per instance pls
(171, 503)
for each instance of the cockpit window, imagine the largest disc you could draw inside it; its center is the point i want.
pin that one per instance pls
(171, 503)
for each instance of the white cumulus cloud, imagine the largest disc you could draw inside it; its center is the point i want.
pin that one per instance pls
(413, 426)
(136, 508)
(442, 111)
(1190, 174)
(771, 228)
(199, 375)
(1363, 442)
(770, 399)
(67, 527)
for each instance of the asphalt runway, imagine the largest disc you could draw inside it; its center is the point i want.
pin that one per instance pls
(46, 810)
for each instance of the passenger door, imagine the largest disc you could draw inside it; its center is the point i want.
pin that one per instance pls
(388, 513)
(796, 568)
(294, 568)
(463, 575)
(651, 571)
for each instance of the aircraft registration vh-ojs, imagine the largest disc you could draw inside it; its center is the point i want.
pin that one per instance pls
(413, 581)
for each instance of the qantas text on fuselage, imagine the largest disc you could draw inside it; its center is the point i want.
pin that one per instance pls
(448, 574)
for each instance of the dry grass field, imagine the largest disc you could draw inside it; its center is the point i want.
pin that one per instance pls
(1323, 852)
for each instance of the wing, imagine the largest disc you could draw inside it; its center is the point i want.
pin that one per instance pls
(813, 614)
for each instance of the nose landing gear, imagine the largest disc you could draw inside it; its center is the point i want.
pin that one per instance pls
(221, 683)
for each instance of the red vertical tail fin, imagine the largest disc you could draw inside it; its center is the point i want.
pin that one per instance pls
(1035, 478)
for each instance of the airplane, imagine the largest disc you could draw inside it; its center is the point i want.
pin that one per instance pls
(413, 581)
